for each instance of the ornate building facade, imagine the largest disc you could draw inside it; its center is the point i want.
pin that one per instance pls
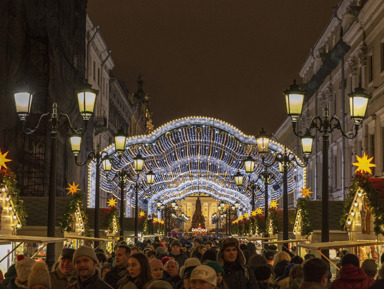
(348, 53)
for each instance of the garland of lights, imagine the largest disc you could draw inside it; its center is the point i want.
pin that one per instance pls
(112, 220)
(8, 183)
(272, 222)
(362, 180)
(302, 212)
(75, 203)
(204, 145)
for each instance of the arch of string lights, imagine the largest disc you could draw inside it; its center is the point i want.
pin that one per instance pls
(192, 156)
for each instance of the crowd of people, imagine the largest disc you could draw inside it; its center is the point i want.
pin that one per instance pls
(180, 263)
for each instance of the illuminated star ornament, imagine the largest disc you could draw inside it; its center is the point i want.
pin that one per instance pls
(273, 204)
(364, 164)
(3, 159)
(112, 202)
(142, 214)
(259, 211)
(305, 192)
(253, 214)
(72, 189)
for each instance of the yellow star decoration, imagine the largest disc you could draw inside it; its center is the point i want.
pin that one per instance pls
(3, 159)
(246, 215)
(273, 204)
(253, 214)
(142, 214)
(259, 211)
(72, 189)
(112, 202)
(364, 164)
(305, 192)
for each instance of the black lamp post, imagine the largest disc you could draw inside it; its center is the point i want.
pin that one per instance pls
(23, 100)
(325, 124)
(101, 158)
(286, 159)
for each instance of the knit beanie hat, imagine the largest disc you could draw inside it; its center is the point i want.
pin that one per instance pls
(204, 273)
(190, 262)
(215, 266)
(85, 251)
(209, 255)
(39, 276)
(159, 250)
(262, 273)
(23, 269)
(369, 266)
(350, 259)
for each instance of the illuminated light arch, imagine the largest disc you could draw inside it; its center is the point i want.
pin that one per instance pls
(195, 155)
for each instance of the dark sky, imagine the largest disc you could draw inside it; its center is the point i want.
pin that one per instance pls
(225, 59)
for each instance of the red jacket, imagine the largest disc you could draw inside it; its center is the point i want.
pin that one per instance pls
(351, 277)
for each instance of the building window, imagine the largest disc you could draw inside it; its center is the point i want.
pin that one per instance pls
(372, 149)
(370, 68)
(94, 70)
(382, 56)
(335, 172)
(98, 76)
(382, 153)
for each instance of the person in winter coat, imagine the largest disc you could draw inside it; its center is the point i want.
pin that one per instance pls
(119, 271)
(64, 273)
(39, 277)
(139, 273)
(86, 263)
(236, 273)
(177, 253)
(315, 273)
(351, 276)
(23, 269)
(379, 283)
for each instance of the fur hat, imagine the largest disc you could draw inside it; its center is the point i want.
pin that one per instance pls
(350, 259)
(85, 251)
(39, 276)
(23, 269)
(369, 266)
(204, 273)
(228, 242)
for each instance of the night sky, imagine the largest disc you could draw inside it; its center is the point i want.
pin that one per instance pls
(229, 60)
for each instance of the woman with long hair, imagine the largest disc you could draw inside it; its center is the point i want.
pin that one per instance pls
(139, 273)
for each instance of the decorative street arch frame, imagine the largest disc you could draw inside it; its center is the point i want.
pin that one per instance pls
(195, 155)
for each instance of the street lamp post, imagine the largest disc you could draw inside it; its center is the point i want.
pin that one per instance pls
(325, 124)
(286, 159)
(23, 100)
(101, 158)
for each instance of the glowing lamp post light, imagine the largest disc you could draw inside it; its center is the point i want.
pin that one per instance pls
(324, 124)
(101, 158)
(23, 103)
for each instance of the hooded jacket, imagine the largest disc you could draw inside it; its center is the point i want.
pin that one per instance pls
(237, 274)
(351, 277)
